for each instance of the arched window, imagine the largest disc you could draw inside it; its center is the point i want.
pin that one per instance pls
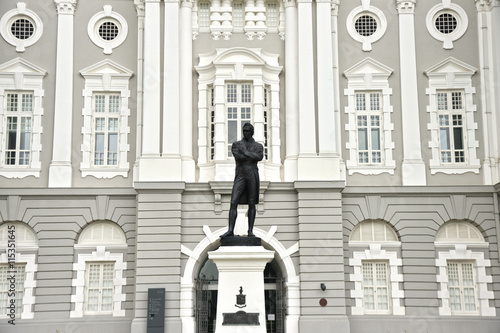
(18, 244)
(462, 271)
(99, 271)
(376, 275)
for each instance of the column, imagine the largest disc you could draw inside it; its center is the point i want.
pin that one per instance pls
(327, 127)
(292, 92)
(186, 91)
(488, 14)
(306, 163)
(150, 166)
(60, 169)
(413, 169)
(171, 92)
(139, 6)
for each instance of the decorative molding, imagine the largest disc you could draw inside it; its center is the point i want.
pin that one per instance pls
(484, 5)
(107, 15)
(12, 15)
(376, 14)
(140, 7)
(458, 13)
(406, 6)
(66, 7)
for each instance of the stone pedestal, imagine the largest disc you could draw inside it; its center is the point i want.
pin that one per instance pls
(240, 299)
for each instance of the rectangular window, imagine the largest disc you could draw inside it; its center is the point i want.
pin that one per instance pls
(18, 130)
(369, 127)
(5, 273)
(99, 287)
(272, 12)
(211, 112)
(376, 298)
(106, 128)
(238, 15)
(451, 120)
(267, 99)
(204, 14)
(462, 287)
(239, 110)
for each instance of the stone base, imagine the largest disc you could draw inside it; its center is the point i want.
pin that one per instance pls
(240, 241)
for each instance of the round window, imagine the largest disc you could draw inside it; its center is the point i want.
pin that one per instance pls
(446, 23)
(366, 25)
(108, 31)
(22, 28)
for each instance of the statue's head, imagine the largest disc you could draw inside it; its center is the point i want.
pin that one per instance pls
(248, 127)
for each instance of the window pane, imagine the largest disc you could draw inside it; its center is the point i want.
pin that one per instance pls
(204, 14)
(245, 114)
(231, 93)
(360, 102)
(375, 102)
(362, 139)
(444, 134)
(11, 102)
(456, 100)
(246, 93)
(458, 138)
(25, 133)
(442, 101)
(114, 103)
(112, 148)
(272, 15)
(100, 103)
(11, 132)
(375, 138)
(27, 101)
(238, 15)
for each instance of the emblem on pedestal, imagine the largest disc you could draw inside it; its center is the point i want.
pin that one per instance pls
(241, 299)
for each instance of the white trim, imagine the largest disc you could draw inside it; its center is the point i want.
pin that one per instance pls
(19, 74)
(452, 74)
(236, 65)
(100, 255)
(208, 243)
(105, 76)
(458, 13)
(375, 252)
(484, 295)
(21, 12)
(107, 15)
(377, 14)
(369, 75)
(29, 281)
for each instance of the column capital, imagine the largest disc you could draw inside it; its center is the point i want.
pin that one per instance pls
(485, 5)
(406, 6)
(335, 7)
(139, 7)
(290, 3)
(187, 3)
(65, 6)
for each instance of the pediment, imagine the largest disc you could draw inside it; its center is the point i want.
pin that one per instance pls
(20, 65)
(238, 55)
(451, 65)
(106, 67)
(368, 66)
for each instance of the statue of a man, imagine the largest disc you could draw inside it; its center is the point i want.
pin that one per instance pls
(246, 184)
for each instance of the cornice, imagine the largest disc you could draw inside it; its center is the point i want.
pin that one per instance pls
(65, 6)
(406, 6)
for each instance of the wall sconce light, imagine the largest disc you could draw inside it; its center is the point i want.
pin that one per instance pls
(323, 286)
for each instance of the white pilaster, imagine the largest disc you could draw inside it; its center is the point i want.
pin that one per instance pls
(488, 14)
(60, 170)
(186, 92)
(150, 164)
(139, 6)
(307, 107)
(292, 92)
(171, 92)
(327, 128)
(413, 169)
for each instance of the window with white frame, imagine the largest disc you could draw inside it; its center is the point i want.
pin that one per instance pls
(228, 99)
(106, 124)
(369, 124)
(204, 14)
(99, 287)
(272, 14)
(105, 120)
(366, 24)
(447, 23)
(19, 118)
(21, 27)
(376, 273)
(451, 118)
(238, 15)
(462, 277)
(462, 287)
(239, 111)
(21, 266)
(107, 29)
(21, 114)
(376, 287)
(99, 282)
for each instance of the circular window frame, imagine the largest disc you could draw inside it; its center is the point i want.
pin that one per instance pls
(447, 38)
(8, 19)
(379, 17)
(107, 15)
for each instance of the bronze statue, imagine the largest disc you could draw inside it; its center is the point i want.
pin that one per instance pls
(246, 184)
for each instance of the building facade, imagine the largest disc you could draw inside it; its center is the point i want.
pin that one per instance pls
(379, 186)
